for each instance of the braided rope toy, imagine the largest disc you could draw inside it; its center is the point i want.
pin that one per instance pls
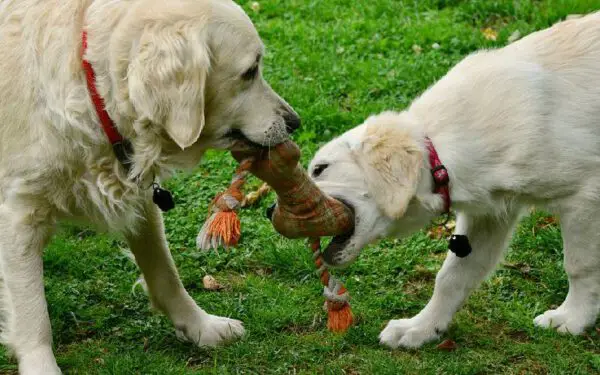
(339, 313)
(223, 227)
(302, 210)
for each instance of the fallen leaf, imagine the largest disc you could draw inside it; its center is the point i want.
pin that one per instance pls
(99, 361)
(435, 46)
(417, 49)
(146, 344)
(211, 283)
(546, 222)
(438, 232)
(448, 345)
(490, 34)
(255, 6)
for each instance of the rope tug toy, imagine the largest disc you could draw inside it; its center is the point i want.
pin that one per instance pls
(339, 313)
(302, 211)
(222, 228)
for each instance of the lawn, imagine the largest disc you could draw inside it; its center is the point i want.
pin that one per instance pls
(336, 62)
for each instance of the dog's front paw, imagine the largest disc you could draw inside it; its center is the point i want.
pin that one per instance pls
(211, 330)
(39, 361)
(563, 320)
(408, 333)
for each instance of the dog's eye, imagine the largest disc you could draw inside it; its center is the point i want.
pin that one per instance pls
(250, 73)
(319, 168)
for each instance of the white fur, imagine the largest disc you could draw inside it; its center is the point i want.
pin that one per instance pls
(515, 126)
(170, 73)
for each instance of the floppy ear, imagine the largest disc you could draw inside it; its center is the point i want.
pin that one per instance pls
(391, 161)
(167, 78)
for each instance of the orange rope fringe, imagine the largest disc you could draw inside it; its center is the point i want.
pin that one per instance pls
(339, 312)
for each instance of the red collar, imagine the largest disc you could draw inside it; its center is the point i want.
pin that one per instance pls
(441, 180)
(121, 146)
(107, 124)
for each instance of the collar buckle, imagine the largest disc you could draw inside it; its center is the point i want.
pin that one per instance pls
(123, 150)
(440, 176)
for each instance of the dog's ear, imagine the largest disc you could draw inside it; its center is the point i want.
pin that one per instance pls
(167, 79)
(391, 161)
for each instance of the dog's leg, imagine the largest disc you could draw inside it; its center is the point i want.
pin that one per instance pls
(454, 282)
(167, 292)
(581, 243)
(24, 231)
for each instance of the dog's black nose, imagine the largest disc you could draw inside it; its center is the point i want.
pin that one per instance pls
(270, 211)
(292, 122)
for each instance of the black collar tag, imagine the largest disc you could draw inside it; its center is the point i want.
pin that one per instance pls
(162, 198)
(459, 245)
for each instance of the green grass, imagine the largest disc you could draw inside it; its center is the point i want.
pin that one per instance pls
(336, 62)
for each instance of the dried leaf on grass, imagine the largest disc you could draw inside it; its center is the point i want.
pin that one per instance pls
(547, 222)
(448, 345)
(437, 232)
(210, 283)
(489, 33)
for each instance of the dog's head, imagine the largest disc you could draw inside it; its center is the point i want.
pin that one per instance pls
(190, 73)
(376, 168)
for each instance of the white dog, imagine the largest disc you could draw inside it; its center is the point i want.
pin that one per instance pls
(514, 127)
(176, 77)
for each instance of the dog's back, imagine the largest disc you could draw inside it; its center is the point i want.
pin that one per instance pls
(538, 96)
(44, 106)
(40, 47)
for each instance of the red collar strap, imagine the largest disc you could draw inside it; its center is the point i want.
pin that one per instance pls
(459, 243)
(121, 146)
(441, 180)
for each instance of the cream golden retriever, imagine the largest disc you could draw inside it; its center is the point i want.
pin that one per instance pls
(514, 127)
(177, 77)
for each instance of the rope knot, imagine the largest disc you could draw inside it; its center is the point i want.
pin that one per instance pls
(339, 314)
(229, 200)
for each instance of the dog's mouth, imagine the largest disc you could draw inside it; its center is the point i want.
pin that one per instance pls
(239, 140)
(339, 243)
